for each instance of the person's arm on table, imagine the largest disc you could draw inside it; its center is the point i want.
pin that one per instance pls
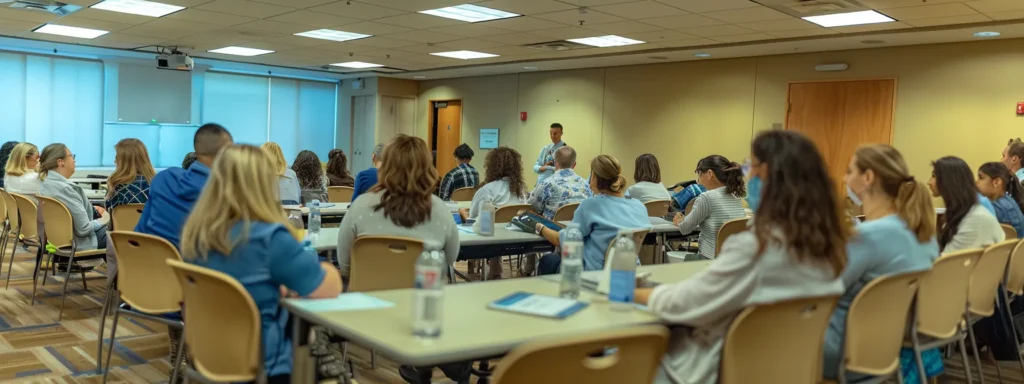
(301, 271)
(689, 223)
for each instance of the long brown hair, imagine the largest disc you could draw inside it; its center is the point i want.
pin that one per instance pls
(955, 183)
(406, 180)
(647, 169)
(132, 160)
(727, 172)
(912, 199)
(337, 166)
(608, 174)
(799, 209)
(309, 170)
(506, 163)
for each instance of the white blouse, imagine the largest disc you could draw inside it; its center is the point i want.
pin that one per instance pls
(27, 184)
(497, 192)
(647, 191)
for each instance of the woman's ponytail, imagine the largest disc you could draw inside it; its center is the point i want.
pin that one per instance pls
(1013, 188)
(914, 206)
(732, 177)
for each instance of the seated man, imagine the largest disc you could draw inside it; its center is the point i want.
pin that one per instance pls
(563, 187)
(367, 178)
(462, 176)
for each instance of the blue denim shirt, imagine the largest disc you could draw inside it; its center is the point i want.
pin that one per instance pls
(1009, 213)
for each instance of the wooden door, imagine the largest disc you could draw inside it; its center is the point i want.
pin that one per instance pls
(841, 116)
(362, 133)
(449, 133)
(386, 122)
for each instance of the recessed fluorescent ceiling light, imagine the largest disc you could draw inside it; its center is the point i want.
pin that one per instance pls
(469, 12)
(702, 55)
(64, 30)
(240, 51)
(419, 77)
(606, 41)
(464, 55)
(986, 34)
(330, 34)
(138, 7)
(357, 64)
(849, 18)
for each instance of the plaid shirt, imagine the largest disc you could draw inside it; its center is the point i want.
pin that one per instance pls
(463, 176)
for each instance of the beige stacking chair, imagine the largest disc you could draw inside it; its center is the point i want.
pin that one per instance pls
(340, 194)
(60, 232)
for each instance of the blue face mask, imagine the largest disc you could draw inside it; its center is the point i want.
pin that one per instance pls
(754, 193)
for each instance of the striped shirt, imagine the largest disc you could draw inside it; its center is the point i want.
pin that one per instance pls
(462, 176)
(710, 211)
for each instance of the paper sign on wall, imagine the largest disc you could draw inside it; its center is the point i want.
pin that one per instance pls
(488, 138)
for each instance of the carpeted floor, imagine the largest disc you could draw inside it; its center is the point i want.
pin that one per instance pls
(35, 347)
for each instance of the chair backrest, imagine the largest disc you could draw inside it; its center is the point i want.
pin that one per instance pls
(126, 216)
(730, 228)
(56, 222)
(876, 323)
(988, 273)
(25, 208)
(144, 279)
(1009, 231)
(11, 209)
(1015, 270)
(790, 353)
(942, 294)
(629, 355)
(463, 194)
(211, 300)
(3, 205)
(638, 239)
(340, 194)
(566, 212)
(658, 208)
(383, 262)
(505, 213)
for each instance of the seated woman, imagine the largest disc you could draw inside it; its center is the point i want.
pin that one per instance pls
(795, 249)
(896, 236)
(21, 176)
(129, 184)
(722, 202)
(968, 223)
(287, 182)
(998, 185)
(337, 169)
(647, 174)
(56, 165)
(503, 185)
(600, 217)
(310, 173)
(5, 155)
(239, 228)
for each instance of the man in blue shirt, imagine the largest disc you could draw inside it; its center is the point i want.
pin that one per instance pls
(545, 164)
(366, 179)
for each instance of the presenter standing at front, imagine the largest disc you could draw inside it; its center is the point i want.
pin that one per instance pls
(545, 166)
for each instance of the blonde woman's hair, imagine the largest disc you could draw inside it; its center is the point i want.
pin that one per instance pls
(406, 180)
(132, 160)
(912, 198)
(50, 157)
(242, 188)
(276, 157)
(17, 164)
(608, 173)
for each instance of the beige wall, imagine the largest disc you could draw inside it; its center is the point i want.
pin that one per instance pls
(345, 94)
(952, 99)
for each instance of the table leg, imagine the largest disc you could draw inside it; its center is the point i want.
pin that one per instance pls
(303, 370)
(661, 255)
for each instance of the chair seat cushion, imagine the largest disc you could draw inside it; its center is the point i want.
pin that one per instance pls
(92, 253)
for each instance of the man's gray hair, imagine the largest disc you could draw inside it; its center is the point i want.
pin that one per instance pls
(565, 157)
(378, 151)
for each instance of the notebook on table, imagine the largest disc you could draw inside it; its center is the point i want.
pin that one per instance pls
(538, 305)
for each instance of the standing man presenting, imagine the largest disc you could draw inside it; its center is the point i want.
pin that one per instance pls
(545, 165)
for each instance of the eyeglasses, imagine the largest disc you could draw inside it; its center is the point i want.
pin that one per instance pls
(72, 156)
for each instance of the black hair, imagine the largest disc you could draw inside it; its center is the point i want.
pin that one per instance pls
(997, 170)
(209, 139)
(728, 172)
(556, 125)
(188, 160)
(463, 152)
(955, 182)
(5, 153)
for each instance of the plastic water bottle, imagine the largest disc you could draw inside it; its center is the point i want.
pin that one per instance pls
(295, 219)
(572, 262)
(314, 217)
(484, 225)
(429, 300)
(622, 279)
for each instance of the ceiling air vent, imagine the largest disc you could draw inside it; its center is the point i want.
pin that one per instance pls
(48, 6)
(557, 46)
(801, 8)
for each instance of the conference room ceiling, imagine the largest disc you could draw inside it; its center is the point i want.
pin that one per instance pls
(404, 39)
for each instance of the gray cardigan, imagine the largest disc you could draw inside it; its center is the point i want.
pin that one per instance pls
(58, 187)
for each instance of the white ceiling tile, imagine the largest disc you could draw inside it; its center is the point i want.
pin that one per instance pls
(623, 27)
(16, 27)
(270, 45)
(424, 36)
(416, 5)
(316, 51)
(1011, 15)
(296, 3)
(930, 11)
(701, 6)
(52, 37)
(803, 33)
(886, 4)
(90, 23)
(425, 48)
(383, 42)
(931, 22)
(357, 10)
(246, 8)
(118, 40)
(470, 45)
(747, 15)
(511, 50)
(640, 10)
(694, 42)
(779, 25)
(418, 21)
(299, 41)
(992, 6)
(202, 16)
(574, 17)
(522, 24)
(17, 14)
(591, 3)
(742, 38)
(117, 17)
(717, 30)
(314, 19)
(518, 38)
(371, 28)
(527, 7)
(682, 21)
(471, 30)
(568, 33)
(150, 31)
(183, 25)
(273, 26)
(389, 54)
(872, 27)
(346, 47)
(659, 36)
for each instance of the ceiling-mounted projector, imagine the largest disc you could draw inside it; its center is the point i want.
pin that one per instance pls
(175, 60)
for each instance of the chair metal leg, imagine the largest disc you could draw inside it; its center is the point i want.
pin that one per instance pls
(899, 375)
(963, 359)
(10, 266)
(175, 372)
(48, 266)
(918, 359)
(974, 347)
(64, 292)
(4, 235)
(373, 359)
(113, 337)
(1013, 329)
(103, 321)
(35, 274)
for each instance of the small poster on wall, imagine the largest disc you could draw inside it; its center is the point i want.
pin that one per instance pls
(488, 138)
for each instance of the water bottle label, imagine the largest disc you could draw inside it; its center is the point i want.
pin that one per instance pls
(429, 307)
(570, 248)
(621, 286)
(486, 222)
(427, 277)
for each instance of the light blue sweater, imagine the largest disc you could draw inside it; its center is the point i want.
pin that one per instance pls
(600, 219)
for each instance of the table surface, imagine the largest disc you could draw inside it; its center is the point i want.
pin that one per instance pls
(340, 209)
(660, 273)
(470, 330)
